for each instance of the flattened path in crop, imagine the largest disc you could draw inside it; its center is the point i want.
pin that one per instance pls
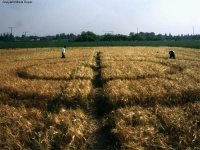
(99, 138)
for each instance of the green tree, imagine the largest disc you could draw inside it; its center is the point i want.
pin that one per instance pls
(87, 36)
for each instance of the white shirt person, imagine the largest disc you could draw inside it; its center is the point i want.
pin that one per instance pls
(63, 52)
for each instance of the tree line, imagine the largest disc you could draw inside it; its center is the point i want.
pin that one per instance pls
(92, 37)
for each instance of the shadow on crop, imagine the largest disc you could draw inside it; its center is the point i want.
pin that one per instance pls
(12, 97)
(24, 75)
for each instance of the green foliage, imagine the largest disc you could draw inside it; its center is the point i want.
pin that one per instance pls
(42, 44)
(87, 37)
(6, 37)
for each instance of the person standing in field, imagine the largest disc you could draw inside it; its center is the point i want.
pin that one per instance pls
(63, 52)
(171, 54)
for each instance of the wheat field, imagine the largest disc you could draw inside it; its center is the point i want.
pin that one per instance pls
(100, 98)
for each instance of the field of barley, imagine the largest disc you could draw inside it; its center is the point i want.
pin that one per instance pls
(131, 98)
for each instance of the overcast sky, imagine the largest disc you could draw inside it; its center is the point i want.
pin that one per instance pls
(50, 17)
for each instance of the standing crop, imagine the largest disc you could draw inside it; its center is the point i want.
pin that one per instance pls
(100, 98)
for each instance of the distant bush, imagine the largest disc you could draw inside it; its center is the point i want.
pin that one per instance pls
(42, 44)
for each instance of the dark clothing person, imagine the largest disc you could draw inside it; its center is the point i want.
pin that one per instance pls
(172, 54)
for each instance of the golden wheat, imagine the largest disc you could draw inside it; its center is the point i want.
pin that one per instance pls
(153, 100)
(137, 128)
(25, 128)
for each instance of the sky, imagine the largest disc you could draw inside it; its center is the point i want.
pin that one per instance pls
(51, 17)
